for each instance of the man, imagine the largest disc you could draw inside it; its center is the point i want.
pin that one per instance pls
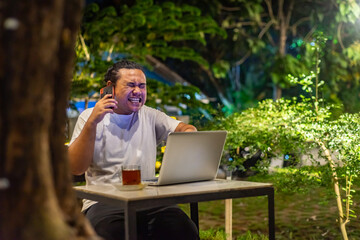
(122, 130)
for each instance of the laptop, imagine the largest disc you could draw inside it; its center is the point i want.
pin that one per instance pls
(191, 157)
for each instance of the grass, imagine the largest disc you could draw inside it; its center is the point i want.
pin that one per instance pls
(218, 234)
(311, 214)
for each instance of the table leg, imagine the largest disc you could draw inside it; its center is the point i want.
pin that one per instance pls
(130, 223)
(194, 212)
(271, 211)
(228, 218)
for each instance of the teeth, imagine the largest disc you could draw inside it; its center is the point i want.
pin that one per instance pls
(134, 100)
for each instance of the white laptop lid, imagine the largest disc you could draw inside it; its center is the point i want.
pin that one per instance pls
(191, 156)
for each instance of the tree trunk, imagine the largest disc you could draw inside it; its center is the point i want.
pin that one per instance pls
(342, 219)
(36, 60)
(277, 92)
(283, 27)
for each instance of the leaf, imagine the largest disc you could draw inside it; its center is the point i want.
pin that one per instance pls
(342, 9)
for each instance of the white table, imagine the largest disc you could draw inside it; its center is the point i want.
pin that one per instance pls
(192, 193)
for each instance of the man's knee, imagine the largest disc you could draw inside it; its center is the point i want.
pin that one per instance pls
(110, 229)
(173, 223)
(107, 221)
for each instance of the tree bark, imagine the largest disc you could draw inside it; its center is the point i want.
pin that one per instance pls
(36, 60)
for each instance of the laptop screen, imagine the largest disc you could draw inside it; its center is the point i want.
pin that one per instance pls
(191, 156)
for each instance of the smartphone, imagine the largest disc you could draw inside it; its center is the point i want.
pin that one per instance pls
(107, 90)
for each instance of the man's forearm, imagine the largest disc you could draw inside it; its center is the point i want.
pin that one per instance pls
(182, 127)
(82, 149)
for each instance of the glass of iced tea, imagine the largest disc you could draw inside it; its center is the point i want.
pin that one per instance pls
(131, 174)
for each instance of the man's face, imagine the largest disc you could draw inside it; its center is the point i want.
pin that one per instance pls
(130, 91)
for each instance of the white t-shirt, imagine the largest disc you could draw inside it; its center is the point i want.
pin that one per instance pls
(124, 139)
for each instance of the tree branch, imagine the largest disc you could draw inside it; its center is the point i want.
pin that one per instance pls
(339, 35)
(230, 9)
(297, 23)
(243, 59)
(239, 24)
(110, 52)
(288, 17)
(164, 71)
(348, 194)
(264, 30)
(312, 30)
(335, 178)
(87, 55)
(220, 92)
(281, 10)
(270, 39)
(270, 10)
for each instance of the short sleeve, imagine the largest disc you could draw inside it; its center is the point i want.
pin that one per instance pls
(82, 119)
(163, 126)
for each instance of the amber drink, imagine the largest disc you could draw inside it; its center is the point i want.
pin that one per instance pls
(131, 175)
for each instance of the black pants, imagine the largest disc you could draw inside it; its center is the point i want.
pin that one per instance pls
(160, 223)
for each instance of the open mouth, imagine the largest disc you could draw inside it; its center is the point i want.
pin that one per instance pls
(135, 100)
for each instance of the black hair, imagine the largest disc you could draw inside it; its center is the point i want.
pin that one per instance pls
(113, 73)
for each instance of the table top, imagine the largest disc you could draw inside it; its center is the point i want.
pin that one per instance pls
(169, 191)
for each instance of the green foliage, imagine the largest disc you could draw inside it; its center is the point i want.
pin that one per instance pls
(293, 180)
(349, 11)
(147, 29)
(246, 91)
(252, 22)
(135, 32)
(251, 236)
(175, 30)
(220, 69)
(293, 126)
(214, 234)
(269, 127)
(83, 86)
(284, 65)
(256, 45)
(353, 53)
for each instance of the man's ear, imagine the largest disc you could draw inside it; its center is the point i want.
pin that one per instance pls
(109, 83)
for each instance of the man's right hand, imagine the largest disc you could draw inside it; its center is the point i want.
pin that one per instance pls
(82, 149)
(105, 105)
